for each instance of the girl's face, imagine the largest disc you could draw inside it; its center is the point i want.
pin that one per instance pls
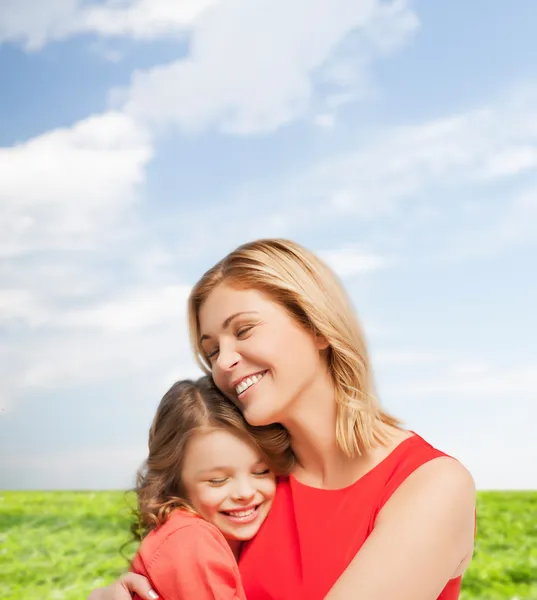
(260, 357)
(227, 483)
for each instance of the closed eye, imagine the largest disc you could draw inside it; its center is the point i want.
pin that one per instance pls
(242, 331)
(219, 481)
(212, 353)
(262, 473)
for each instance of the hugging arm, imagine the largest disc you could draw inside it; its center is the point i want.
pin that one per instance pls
(124, 587)
(423, 537)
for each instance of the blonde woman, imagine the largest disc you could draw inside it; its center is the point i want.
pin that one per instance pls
(370, 510)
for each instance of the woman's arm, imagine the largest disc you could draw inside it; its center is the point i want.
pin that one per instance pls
(421, 538)
(124, 587)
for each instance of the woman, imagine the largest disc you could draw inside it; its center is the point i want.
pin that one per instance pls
(370, 510)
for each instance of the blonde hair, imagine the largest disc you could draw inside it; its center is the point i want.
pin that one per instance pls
(312, 294)
(187, 408)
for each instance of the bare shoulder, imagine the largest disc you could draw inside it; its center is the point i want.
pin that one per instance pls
(444, 474)
(442, 488)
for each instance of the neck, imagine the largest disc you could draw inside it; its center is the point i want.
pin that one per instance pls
(312, 426)
(235, 546)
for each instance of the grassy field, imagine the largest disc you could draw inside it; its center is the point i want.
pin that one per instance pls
(60, 545)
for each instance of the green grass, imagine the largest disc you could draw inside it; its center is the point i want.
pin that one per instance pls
(60, 545)
(504, 565)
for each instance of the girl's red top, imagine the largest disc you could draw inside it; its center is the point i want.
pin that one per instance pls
(189, 559)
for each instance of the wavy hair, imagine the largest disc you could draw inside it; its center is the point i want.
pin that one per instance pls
(310, 291)
(187, 408)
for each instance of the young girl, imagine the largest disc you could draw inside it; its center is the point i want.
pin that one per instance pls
(207, 486)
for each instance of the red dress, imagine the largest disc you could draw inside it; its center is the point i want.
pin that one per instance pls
(294, 557)
(188, 559)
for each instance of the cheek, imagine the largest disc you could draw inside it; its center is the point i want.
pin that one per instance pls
(292, 348)
(219, 381)
(268, 488)
(206, 499)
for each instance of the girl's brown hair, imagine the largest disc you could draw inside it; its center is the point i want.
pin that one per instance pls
(187, 408)
(309, 290)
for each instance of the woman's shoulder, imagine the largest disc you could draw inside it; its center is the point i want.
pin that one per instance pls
(413, 462)
(422, 471)
(407, 451)
(441, 468)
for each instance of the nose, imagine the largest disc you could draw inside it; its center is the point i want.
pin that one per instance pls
(243, 490)
(228, 357)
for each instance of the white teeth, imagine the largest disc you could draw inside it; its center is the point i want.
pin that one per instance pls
(241, 513)
(246, 383)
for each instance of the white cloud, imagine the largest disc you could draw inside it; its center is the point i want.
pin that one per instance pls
(497, 456)
(137, 337)
(511, 161)
(258, 82)
(68, 189)
(402, 357)
(62, 188)
(350, 260)
(493, 230)
(263, 79)
(132, 311)
(145, 19)
(413, 174)
(20, 306)
(481, 414)
(519, 222)
(137, 329)
(479, 380)
(68, 361)
(468, 148)
(325, 121)
(35, 24)
(470, 369)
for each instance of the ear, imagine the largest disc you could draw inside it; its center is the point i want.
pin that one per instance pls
(321, 342)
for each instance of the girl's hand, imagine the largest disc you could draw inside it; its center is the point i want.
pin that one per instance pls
(124, 587)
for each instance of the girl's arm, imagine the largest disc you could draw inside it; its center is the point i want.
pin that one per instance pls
(423, 537)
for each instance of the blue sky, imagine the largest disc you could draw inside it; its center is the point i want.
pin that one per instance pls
(141, 141)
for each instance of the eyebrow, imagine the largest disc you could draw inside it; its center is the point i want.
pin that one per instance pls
(226, 468)
(211, 470)
(228, 321)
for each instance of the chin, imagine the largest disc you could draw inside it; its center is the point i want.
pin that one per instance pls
(246, 535)
(258, 419)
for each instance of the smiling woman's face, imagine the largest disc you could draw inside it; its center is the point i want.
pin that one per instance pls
(260, 357)
(227, 483)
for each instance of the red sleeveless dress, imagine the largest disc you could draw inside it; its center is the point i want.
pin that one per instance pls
(311, 535)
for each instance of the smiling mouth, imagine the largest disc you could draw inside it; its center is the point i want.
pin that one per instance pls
(245, 515)
(247, 383)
